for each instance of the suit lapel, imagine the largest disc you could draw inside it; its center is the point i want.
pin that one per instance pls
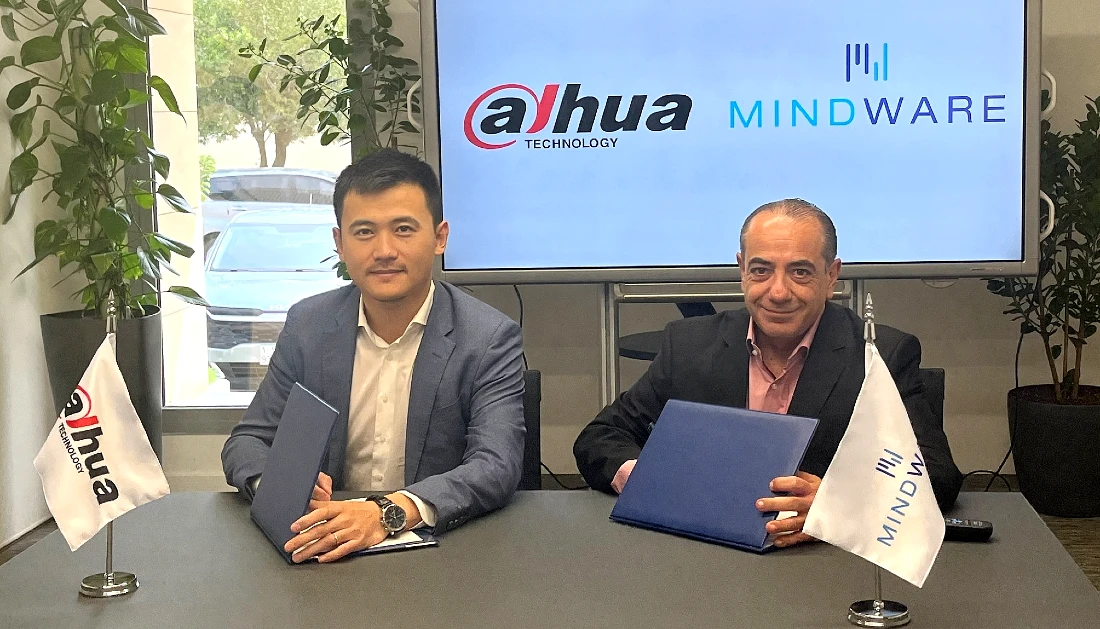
(431, 361)
(825, 364)
(339, 362)
(734, 358)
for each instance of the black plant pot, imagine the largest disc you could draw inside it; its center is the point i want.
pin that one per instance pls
(71, 340)
(1056, 448)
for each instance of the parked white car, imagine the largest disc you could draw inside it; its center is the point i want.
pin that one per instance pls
(261, 264)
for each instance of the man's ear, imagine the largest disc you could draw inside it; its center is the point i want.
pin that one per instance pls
(336, 241)
(442, 232)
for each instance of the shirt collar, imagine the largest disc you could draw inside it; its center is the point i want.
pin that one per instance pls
(803, 345)
(420, 319)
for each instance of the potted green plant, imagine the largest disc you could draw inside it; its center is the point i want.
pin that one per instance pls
(85, 74)
(1055, 427)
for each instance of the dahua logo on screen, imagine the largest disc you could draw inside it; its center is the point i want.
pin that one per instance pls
(861, 67)
(576, 120)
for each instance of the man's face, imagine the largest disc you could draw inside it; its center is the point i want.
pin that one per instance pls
(785, 276)
(388, 243)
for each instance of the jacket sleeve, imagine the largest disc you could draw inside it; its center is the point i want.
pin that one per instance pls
(493, 458)
(904, 365)
(620, 430)
(246, 449)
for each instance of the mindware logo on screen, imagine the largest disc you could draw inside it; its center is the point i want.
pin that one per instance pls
(861, 67)
(505, 111)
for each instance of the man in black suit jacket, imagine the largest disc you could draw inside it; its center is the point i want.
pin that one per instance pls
(790, 350)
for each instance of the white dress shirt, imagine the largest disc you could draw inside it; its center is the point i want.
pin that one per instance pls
(379, 410)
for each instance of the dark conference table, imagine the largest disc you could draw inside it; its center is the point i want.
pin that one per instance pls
(551, 559)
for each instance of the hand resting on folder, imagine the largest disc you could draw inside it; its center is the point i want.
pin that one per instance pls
(333, 529)
(800, 491)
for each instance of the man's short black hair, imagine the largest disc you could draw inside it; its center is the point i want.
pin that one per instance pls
(386, 169)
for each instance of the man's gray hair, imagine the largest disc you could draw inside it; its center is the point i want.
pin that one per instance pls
(798, 209)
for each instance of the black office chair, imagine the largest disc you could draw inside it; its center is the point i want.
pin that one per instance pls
(645, 345)
(532, 416)
(934, 380)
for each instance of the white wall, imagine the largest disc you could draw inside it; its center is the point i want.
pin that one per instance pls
(26, 407)
(1071, 48)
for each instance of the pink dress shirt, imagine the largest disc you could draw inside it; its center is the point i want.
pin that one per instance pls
(770, 392)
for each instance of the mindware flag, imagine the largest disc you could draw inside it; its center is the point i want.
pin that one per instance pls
(97, 463)
(876, 498)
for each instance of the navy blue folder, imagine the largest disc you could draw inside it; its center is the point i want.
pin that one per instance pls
(292, 466)
(703, 468)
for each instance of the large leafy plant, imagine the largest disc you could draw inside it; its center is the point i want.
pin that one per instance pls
(82, 76)
(1062, 304)
(348, 84)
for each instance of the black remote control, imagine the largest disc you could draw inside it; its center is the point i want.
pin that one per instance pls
(967, 530)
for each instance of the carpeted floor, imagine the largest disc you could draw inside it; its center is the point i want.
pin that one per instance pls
(1079, 536)
(1081, 539)
(11, 550)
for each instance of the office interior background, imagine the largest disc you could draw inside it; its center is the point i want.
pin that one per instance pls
(960, 324)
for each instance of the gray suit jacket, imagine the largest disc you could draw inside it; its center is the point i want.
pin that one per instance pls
(465, 433)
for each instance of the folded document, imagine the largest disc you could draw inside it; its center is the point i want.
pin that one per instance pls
(703, 468)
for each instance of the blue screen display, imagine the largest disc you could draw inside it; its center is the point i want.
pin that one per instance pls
(641, 133)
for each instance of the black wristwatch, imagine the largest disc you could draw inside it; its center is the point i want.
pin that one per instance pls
(393, 516)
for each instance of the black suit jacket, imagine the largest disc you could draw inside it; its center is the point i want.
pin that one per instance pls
(706, 359)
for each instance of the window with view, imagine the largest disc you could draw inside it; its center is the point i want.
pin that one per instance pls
(263, 220)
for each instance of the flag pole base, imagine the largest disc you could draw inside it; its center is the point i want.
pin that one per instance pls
(107, 585)
(878, 614)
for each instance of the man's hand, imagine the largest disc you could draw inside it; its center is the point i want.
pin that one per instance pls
(622, 475)
(801, 490)
(337, 528)
(322, 491)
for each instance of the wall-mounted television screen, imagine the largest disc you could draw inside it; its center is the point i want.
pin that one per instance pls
(627, 140)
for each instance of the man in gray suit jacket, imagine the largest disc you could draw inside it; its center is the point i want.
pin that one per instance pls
(428, 381)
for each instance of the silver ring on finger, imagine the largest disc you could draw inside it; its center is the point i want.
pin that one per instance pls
(336, 538)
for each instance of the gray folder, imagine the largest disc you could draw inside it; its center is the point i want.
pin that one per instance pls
(292, 466)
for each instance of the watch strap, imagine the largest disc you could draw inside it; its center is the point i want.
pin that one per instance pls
(382, 501)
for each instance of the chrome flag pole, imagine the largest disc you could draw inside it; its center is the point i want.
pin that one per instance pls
(877, 612)
(109, 583)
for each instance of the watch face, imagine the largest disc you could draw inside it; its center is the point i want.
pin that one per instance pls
(393, 518)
